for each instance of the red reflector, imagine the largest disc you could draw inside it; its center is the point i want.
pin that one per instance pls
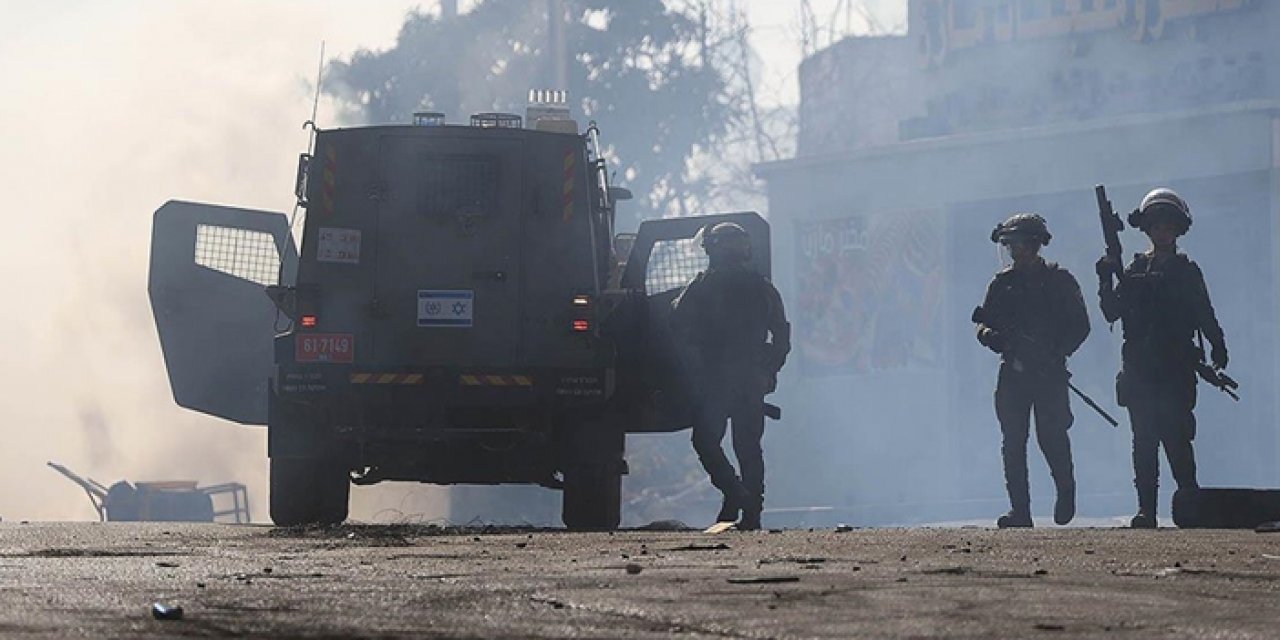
(581, 325)
(309, 322)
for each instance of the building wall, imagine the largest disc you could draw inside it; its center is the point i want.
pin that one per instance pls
(883, 251)
(961, 68)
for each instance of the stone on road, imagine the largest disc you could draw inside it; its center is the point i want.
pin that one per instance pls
(61, 580)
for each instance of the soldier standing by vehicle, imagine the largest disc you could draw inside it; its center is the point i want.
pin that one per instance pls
(1163, 303)
(734, 337)
(1034, 317)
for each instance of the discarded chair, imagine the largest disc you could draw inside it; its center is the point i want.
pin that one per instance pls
(165, 501)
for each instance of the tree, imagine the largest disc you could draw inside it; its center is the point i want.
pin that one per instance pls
(638, 67)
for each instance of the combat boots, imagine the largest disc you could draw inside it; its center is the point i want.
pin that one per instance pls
(1143, 520)
(736, 499)
(1065, 507)
(1146, 516)
(729, 509)
(751, 510)
(1015, 519)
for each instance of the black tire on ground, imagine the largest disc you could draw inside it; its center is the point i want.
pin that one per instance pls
(308, 491)
(592, 499)
(593, 478)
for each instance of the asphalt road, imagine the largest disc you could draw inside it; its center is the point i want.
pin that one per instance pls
(62, 580)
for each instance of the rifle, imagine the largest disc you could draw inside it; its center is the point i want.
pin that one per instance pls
(1215, 377)
(1111, 227)
(981, 316)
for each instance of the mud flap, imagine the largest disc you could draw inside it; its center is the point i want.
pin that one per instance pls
(209, 267)
(1225, 508)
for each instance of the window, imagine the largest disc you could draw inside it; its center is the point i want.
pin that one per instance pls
(451, 184)
(672, 264)
(243, 253)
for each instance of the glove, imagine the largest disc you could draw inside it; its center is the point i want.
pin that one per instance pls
(992, 339)
(1105, 267)
(1218, 356)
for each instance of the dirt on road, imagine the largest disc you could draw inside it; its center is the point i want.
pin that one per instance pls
(61, 580)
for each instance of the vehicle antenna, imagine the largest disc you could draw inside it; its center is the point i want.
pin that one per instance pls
(315, 103)
(310, 126)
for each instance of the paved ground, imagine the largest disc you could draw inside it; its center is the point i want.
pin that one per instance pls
(94, 580)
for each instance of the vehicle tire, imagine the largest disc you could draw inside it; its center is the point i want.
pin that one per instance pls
(593, 479)
(308, 491)
(592, 499)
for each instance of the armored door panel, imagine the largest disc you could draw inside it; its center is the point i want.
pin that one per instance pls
(448, 252)
(665, 256)
(209, 267)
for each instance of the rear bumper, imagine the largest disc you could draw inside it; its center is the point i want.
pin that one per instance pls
(444, 386)
(443, 426)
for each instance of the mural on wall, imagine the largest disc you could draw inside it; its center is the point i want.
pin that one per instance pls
(870, 293)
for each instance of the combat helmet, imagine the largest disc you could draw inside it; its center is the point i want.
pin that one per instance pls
(1161, 203)
(1023, 225)
(727, 241)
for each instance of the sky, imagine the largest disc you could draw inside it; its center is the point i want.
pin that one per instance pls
(110, 109)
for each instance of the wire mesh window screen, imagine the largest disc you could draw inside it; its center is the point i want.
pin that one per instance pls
(246, 254)
(453, 184)
(672, 264)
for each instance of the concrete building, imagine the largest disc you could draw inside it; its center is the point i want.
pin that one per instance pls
(913, 147)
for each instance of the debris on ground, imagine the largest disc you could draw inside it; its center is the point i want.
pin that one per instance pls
(763, 580)
(161, 611)
(719, 546)
(954, 571)
(665, 525)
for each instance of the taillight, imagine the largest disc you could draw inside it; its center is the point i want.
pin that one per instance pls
(581, 316)
(308, 322)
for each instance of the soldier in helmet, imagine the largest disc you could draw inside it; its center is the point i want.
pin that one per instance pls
(1034, 317)
(734, 338)
(1162, 301)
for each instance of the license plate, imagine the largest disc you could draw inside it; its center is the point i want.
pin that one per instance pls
(325, 347)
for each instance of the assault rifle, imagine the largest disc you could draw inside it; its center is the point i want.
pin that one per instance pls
(1024, 341)
(1111, 228)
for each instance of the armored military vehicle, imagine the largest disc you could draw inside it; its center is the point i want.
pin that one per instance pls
(460, 310)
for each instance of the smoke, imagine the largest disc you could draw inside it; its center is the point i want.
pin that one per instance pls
(109, 111)
(890, 419)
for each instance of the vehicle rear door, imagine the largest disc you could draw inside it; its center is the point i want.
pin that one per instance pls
(665, 256)
(448, 255)
(209, 268)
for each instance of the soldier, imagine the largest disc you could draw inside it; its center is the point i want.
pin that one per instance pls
(1162, 301)
(734, 338)
(1034, 317)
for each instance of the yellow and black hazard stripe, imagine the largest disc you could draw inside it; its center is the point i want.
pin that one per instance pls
(566, 193)
(386, 378)
(473, 380)
(329, 185)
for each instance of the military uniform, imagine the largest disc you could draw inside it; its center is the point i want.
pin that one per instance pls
(1162, 301)
(724, 320)
(1033, 316)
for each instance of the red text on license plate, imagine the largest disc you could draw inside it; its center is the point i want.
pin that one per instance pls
(325, 347)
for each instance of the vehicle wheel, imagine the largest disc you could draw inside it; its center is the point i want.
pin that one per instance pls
(592, 499)
(308, 491)
(593, 479)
